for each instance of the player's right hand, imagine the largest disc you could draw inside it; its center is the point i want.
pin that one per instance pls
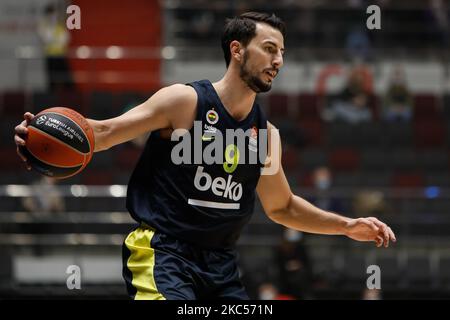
(21, 132)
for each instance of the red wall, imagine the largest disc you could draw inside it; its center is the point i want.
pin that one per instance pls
(135, 23)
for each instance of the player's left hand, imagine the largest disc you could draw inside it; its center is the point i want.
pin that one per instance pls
(370, 229)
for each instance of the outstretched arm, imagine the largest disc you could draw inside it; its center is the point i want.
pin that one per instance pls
(160, 111)
(290, 210)
(170, 107)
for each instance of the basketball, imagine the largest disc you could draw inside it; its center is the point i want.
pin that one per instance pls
(60, 142)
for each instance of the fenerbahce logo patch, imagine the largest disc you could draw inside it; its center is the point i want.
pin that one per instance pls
(212, 117)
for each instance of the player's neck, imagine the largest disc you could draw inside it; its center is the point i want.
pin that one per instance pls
(235, 95)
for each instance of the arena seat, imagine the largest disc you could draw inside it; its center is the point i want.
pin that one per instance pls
(429, 134)
(305, 179)
(439, 179)
(313, 132)
(74, 100)
(44, 100)
(419, 272)
(127, 157)
(9, 159)
(102, 105)
(403, 159)
(376, 179)
(340, 134)
(312, 158)
(398, 135)
(13, 104)
(278, 105)
(7, 130)
(376, 160)
(369, 135)
(407, 180)
(103, 160)
(426, 107)
(433, 160)
(308, 107)
(444, 272)
(391, 272)
(347, 180)
(290, 158)
(96, 177)
(344, 159)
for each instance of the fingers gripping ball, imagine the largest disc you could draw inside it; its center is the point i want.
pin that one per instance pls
(60, 142)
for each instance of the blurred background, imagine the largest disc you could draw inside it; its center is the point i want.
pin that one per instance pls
(364, 117)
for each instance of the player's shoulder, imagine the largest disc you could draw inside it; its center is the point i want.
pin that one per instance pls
(179, 92)
(182, 88)
(178, 102)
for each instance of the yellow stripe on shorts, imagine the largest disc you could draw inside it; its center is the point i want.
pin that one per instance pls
(141, 263)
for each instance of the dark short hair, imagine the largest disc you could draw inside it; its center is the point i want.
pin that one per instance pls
(243, 29)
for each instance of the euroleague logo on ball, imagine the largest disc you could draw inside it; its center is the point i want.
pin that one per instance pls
(57, 145)
(212, 117)
(41, 119)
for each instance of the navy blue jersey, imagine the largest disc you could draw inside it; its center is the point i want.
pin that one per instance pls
(203, 203)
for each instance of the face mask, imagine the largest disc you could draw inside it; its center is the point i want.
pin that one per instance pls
(293, 235)
(267, 295)
(323, 184)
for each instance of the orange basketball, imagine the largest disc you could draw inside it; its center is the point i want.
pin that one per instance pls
(60, 142)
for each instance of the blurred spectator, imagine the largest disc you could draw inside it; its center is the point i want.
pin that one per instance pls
(294, 266)
(370, 203)
(371, 294)
(46, 199)
(398, 102)
(352, 103)
(202, 23)
(358, 44)
(303, 19)
(55, 37)
(268, 291)
(45, 204)
(438, 16)
(322, 180)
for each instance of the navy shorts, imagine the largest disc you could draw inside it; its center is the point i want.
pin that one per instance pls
(157, 266)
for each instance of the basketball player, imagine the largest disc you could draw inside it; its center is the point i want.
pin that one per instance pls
(190, 215)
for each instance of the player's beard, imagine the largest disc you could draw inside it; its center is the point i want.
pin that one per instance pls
(253, 81)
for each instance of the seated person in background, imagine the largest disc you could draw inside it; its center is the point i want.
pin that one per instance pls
(45, 199)
(398, 101)
(322, 180)
(46, 205)
(371, 202)
(371, 294)
(352, 104)
(55, 38)
(268, 291)
(294, 267)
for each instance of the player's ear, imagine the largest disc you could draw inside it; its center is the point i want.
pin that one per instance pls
(237, 51)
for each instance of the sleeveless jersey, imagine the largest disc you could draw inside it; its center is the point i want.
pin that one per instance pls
(203, 203)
